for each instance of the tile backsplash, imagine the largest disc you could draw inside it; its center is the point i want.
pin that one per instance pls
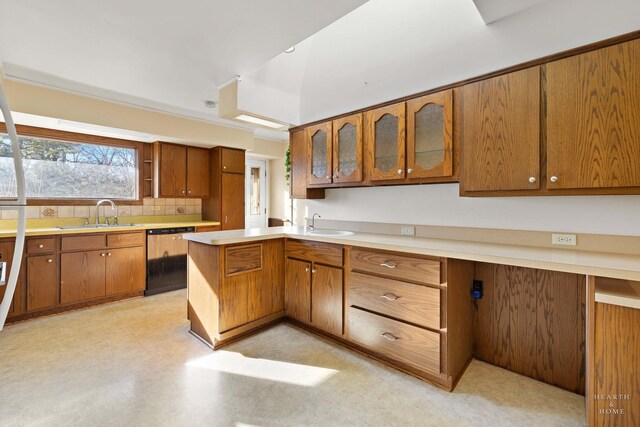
(155, 207)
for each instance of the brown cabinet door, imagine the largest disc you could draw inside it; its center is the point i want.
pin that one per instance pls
(232, 217)
(198, 172)
(320, 151)
(232, 160)
(42, 283)
(82, 276)
(172, 170)
(593, 119)
(299, 168)
(326, 298)
(6, 255)
(297, 291)
(385, 143)
(125, 270)
(347, 149)
(430, 136)
(501, 133)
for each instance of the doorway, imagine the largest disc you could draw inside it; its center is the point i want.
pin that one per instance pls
(256, 193)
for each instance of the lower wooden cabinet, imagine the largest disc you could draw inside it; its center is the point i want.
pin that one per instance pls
(298, 289)
(42, 283)
(326, 298)
(125, 270)
(6, 255)
(82, 276)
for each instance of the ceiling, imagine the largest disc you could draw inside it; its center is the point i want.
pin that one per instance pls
(160, 54)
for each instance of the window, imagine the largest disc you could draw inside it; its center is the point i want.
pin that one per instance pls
(56, 168)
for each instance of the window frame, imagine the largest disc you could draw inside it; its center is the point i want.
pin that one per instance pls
(82, 138)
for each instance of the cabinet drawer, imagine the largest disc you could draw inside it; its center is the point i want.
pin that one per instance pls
(93, 241)
(405, 343)
(406, 301)
(315, 251)
(43, 245)
(125, 239)
(396, 266)
(241, 259)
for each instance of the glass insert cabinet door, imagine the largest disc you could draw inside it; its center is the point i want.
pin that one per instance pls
(385, 142)
(347, 149)
(430, 136)
(319, 143)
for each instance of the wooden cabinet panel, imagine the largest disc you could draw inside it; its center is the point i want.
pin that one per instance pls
(207, 228)
(320, 152)
(593, 119)
(416, 347)
(82, 276)
(299, 168)
(75, 243)
(266, 295)
(234, 300)
(347, 149)
(298, 289)
(125, 270)
(198, 172)
(385, 143)
(6, 255)
(43, 245)
(42, 282)
(396, 266)
(319, 252)
(232, 203)
(405, 301)
(125, 239)
(172, 170)
(326, 298)
(244, 258)
(232, 161)
(430, 136)
(501, 133)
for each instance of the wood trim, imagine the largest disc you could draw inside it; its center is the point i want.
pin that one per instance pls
(356, 175)
(517, 67)
(590, 368)
(74, 137)
(247, 329)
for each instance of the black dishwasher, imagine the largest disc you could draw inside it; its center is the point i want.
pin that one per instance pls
(166, 259)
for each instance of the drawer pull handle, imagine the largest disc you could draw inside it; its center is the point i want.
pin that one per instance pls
(390, 297)
(389, 336)
(388, 265)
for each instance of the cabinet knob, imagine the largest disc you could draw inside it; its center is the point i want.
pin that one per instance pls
(399, 171)
(224, 167)
(49, 260)
(183, 191)
(306, 269)
(313, 271)
(409, 170)
(335, 176)
(40, 246)
(109, 254)
(328, 177)
(532, 179)
(553, 179)
(389, 336)
(189, 191)
(225, 219)
(103, 254)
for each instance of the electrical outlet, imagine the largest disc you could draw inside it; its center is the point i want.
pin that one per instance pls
(563, 239)
(408, 230)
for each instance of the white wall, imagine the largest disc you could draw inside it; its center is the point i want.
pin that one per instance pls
(278, 190)
(441, 205)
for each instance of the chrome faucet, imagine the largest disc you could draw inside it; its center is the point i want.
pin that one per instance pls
(113, 206)
(312, 226)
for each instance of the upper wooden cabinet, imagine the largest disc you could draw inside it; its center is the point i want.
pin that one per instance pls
(385, 142)
(347, 149)
(319, 139)
(232, 160)
(181, 171)
(501, 133)
(298, 149)
(226, 203)
(593, 119)
(430, 135)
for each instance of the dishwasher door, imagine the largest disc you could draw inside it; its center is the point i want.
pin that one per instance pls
(166, 263)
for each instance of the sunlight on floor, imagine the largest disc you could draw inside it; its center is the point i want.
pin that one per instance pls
(272, 370)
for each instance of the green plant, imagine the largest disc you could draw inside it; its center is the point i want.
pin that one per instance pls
(287, 164)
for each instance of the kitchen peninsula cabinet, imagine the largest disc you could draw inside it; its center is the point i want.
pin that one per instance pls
(181, 171)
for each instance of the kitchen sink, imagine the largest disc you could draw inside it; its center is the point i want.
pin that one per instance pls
(331, 233)
(90, 226)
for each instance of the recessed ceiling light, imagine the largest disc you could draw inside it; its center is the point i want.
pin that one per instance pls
(210, 104)
(259, 121)
(290, 50)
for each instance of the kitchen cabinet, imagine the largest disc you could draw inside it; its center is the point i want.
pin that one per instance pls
(41, 282)
(320, 151)
(82, 276)
(501, 133)
(181, 171)
(347, 149)
(125, 270)
(299, 175)
(6, 255)
(226, 203)
(314, 284)
(384, 138)
(430, 136)
(593, 119)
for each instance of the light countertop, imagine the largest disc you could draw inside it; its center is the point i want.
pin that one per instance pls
(46, 231)
(603, 264)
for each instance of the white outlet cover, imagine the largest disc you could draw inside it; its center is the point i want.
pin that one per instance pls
(408, 230)
(563, 239)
